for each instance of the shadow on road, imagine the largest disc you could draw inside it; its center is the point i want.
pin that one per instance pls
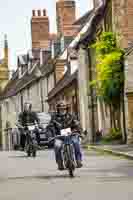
(22, 156)
(43, 177)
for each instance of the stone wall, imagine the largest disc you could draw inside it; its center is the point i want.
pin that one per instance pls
(83, 82)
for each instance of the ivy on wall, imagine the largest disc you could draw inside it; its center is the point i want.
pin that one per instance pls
(110, 76)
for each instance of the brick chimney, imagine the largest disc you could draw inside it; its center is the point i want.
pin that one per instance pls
(66, 15)
(130, 20)
(39, 29)
(39, 12)
(33, 13)
(122, 12)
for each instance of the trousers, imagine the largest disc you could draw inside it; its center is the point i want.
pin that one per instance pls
(58, 147)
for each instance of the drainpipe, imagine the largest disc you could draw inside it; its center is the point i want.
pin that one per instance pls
(123, 106)
(92, 99)
(124, 118)
(21, 101)
(41, 90)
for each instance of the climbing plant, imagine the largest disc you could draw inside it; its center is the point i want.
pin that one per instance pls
(110, 78)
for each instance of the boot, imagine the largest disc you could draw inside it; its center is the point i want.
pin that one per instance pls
(60, 165)
(79, 164)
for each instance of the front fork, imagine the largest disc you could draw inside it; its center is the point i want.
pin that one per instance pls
(31, 142)
(69, 155)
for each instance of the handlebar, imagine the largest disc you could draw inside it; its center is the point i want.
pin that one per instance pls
(62, 136)
(59, 124)
(19, 125)
(22, 127)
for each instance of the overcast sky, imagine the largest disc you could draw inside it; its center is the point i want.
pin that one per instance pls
(15, 18)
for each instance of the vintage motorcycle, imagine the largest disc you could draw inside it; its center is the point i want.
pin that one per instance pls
(68, 153)
(31, 141)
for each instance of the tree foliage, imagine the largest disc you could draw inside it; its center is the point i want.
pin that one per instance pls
(109, 65)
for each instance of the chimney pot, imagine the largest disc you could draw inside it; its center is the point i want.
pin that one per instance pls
(44, 12)
(33, 13)
(39, 12)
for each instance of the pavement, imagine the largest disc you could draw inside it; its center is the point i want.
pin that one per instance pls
(102, 177)
(118, 150)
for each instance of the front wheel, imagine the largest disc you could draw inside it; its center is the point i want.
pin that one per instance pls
(71, 172)
(28, 153)
(34, 150)
(69, 160)
(34, 153)
(28, 150)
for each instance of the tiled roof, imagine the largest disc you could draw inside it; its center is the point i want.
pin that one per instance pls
(23, 59)
(129, 49)
(48, 68)
(15, 85)
(90, 27)
(87, 31)
(9, 89)
(64, 82)
(82, 20)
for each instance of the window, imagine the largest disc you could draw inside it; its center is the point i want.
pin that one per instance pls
(7, 107)
(28, 93)
(21, 101)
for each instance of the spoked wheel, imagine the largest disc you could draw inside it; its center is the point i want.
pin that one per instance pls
(28, 153)
(34, 148)
(70, 160)
(34, 153)
(71, 172)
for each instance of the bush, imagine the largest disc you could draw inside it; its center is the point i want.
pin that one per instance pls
(113, 135)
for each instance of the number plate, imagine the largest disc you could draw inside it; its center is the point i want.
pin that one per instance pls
(42, 136)
(65, 132)
(31, 128)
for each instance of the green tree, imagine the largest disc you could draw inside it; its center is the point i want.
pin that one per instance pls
(110, 78)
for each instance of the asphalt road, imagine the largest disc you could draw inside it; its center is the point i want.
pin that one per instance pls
(103, 177)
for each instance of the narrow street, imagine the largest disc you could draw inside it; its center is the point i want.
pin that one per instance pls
(102, 177)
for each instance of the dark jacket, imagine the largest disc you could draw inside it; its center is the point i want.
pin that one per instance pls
(28, 118)
(60, 121)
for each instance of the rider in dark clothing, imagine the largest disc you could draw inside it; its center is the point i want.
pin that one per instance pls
(62, 120)
(27, 117)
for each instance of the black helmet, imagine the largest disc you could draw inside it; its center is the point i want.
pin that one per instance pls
(62, 105)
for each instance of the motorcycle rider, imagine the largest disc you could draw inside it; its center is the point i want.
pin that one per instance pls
(62, 119)
(28, 117)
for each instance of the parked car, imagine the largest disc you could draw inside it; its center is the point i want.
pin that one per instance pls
(44, 121)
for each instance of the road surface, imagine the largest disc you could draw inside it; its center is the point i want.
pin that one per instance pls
(103, 177)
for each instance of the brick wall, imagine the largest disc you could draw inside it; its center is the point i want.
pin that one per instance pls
(66, 15)
(130, 19)
(120, 23)
(59, 69)
(123, 20)
(39, 29)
